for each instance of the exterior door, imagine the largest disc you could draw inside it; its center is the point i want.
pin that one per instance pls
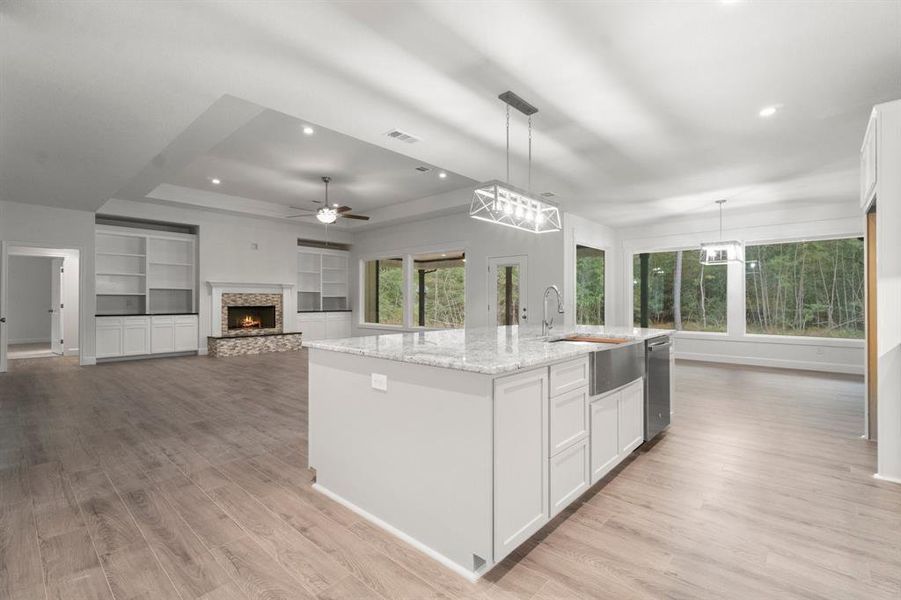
(507, 290)
(4, 335)
(56, 312)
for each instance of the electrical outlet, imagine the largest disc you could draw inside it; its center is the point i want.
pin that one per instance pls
(380, 382)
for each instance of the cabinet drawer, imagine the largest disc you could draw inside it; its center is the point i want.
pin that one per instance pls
(568, 476)
(568, 419)
(569, 376)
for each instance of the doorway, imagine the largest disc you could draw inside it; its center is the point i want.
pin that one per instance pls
(872, 354)
(507, 290)
(39, 303)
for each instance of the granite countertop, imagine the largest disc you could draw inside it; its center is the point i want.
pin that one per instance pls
(488, 350)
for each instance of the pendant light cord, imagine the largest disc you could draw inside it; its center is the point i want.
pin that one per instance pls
(508, 143)
(530, 153)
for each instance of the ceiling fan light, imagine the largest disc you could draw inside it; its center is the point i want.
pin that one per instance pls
(327, 215)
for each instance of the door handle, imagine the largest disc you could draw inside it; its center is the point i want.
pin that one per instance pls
(2, 319)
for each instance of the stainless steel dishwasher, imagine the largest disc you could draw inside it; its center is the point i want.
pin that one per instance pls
(657, 386)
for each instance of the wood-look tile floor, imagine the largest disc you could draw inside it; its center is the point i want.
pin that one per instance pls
(185, 478)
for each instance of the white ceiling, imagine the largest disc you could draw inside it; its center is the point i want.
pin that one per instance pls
(647, 110)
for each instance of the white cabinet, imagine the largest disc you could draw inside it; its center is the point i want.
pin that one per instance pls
(604, 415)
(135, 336)
(617, 427)
(520, 458)
(569, 376)
(337, 324)
(868, 153)
(142, 335)
(312, 325)
(162, 335)
(631, 417)
(322, 279)
(568, 476)
(108, 338)
(322, 325)
(568, 418)
(186, 333)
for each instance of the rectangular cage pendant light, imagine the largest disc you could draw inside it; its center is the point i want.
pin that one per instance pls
(501, 203)
(722, 252)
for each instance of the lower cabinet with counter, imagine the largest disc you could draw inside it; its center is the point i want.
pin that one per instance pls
(319, 325)
(465, 465)
(145, 335)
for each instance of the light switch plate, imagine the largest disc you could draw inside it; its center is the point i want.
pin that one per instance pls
(380, 382)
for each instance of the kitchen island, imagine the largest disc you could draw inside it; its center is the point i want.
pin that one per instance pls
(466, 442)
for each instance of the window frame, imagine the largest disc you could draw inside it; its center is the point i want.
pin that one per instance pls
(837, 342)
(687, 248)
(410, 321)
(608, 279)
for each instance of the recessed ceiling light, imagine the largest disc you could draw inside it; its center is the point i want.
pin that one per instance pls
(215, 181)
(308, 130)
(769, 111)
(442, 175)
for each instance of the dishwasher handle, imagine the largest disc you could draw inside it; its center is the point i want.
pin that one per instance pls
(659, 345)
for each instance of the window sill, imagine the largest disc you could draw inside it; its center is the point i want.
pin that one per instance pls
(760, 338)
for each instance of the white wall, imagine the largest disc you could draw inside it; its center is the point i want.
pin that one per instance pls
(749, 226)
(29, 299)
(888, 289)
(34, 225)
(225, 248)
(480, 241)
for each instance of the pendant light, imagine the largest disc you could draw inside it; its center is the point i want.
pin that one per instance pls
(500, 202)
(722, 252)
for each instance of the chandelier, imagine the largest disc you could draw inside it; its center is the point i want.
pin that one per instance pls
(722, 252)
(502, 203)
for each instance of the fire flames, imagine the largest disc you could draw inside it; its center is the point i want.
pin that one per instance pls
(249, 321)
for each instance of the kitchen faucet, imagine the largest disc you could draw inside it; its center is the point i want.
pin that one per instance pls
(546, 325)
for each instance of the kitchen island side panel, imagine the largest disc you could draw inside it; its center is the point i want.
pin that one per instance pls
(417, 456)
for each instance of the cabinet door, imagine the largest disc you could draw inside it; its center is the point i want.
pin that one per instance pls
(162, 335)
(337, 325)
(108, 338)
(185, 333)
(136, 336)
(568, 418)
(631, 417)
(312, 326)
(604, 435)
(520, 459)
(568, 476)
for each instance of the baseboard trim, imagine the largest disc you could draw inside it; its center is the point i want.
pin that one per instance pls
(775, 363)
(459, 570)
(45, 340)
(886, 478)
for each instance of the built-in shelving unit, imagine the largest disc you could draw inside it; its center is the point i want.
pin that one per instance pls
(322, 280)
(140, 271)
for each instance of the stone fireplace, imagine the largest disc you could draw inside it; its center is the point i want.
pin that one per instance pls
(250, 318)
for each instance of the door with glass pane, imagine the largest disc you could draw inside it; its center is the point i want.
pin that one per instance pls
(507, 289)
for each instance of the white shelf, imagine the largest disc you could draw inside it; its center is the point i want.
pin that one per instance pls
(120, 293)
(171, 264)
(121, 254)
(122, 274)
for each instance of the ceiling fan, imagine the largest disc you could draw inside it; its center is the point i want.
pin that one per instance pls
(327, 213)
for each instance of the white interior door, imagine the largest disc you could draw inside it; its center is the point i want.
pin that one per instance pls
(56, 305)
(4, 336)
(508, 290)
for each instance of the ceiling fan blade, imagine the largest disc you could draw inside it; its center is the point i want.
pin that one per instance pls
(311, 214)
(358, 217)
(343, 209)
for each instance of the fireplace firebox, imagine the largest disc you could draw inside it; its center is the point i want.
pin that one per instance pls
(243, 318)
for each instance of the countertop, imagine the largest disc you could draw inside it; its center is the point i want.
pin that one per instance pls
(488, 350)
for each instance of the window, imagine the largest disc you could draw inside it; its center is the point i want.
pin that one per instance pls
(806, 288)
(682, 293)
(439, 283)
(383, 291)
(589, 286)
